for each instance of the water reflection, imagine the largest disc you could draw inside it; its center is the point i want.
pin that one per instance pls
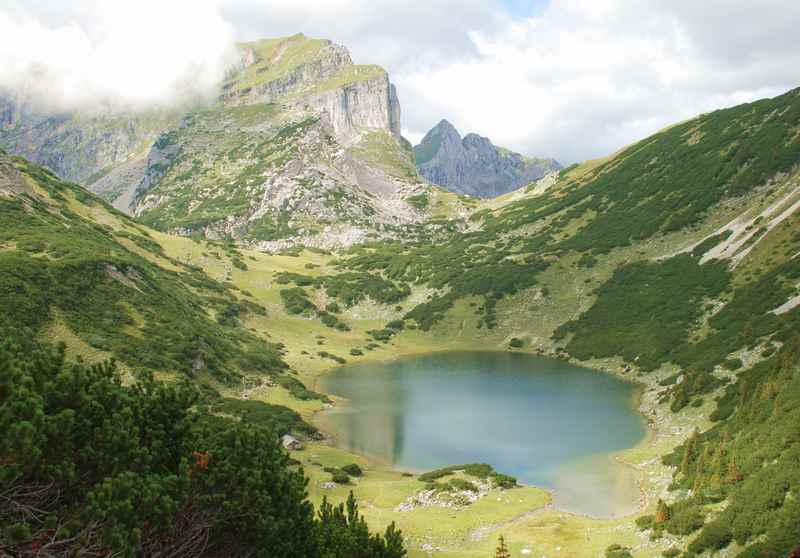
(548, 423)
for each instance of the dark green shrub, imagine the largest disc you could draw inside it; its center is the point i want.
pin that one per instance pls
(504, 481)
(462, 484)
(340, 477)
(353, 470)
(383, 335)
(618, 551)
(644, 522)
(686, 518)
(733, 363)
(418, 201)
(296, 301)
(136, 471)
(331, 356)
(333, 308)
(715, 536)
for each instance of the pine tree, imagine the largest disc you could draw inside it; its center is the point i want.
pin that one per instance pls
(746, 335)
(663, 513)
(688, 453)
(502, 549)
(734, 475)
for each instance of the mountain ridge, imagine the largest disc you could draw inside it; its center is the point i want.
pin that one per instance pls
(302, 146)
(473, 165)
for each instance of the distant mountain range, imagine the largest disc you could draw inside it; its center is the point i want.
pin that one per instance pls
(473, 165)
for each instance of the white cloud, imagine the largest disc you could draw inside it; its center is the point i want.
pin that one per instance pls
(130, 54)
(397, 34)
(578, 79)
(584, 78)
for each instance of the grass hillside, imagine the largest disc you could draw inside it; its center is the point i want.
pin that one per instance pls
(673, 262)
(75, 270)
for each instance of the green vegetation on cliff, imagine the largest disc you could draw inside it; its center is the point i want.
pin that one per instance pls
(749, 458)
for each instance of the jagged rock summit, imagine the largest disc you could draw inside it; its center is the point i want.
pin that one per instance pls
(318, 76)
(473, 165)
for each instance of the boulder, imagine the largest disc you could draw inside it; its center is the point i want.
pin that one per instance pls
(291, 443)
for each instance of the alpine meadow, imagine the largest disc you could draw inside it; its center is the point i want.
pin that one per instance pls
(261, 322)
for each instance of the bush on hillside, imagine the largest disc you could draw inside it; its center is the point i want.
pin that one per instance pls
(353, 470)
(88, 465)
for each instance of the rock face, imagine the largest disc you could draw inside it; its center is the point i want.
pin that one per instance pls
(316, 75)
(364, 104)
(301, 146)
(83, 148)
(12, 183)
(291, 443)
(473, 165)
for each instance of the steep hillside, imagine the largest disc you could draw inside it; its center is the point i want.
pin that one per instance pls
(74, 269)
(473, 165)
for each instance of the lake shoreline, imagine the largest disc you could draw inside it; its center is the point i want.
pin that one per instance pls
(636, 403)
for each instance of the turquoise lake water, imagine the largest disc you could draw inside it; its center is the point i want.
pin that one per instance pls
(549, 423)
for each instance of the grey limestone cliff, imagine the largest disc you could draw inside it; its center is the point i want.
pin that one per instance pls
(319, 76)
(102, 149)
(473, 165)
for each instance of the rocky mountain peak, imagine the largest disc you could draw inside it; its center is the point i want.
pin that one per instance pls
(445, 127)
(444, 130)
(473, 165)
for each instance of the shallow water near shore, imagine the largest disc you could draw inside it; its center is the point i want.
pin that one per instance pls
(549, 423)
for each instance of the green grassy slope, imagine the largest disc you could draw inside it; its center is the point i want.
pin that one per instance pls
(74, 268)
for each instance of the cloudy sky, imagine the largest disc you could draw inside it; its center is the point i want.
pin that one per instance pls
(573, 79)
